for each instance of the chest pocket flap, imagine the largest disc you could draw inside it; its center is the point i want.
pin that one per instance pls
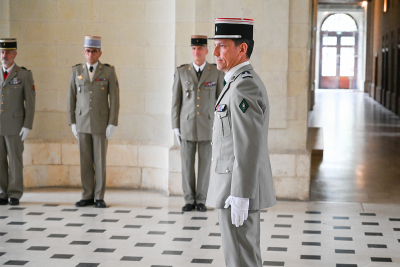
(224, 166)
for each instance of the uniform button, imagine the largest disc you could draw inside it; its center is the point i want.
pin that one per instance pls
(198, 90)
(215, 112)
(198, 105)
(213, 128)
(4, 88)
(227, 170)
(198, 113)
(90, 91)
(90, 107)
(212, 159)
(2, 103)
(1, 110)
(211, 143)
(198, 97)
(90, 99)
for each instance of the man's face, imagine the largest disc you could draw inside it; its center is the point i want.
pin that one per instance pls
(227, 55)
(92, 55)
(199, 53)
(7, 57)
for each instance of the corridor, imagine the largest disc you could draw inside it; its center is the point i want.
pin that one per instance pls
(361, 161)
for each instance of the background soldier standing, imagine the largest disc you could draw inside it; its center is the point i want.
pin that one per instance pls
(195, 90)
(16, 119)
(241, 179)
(93, 109)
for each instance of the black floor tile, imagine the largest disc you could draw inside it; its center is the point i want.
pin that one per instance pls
(74, 224)
(182, 239)
(285, 216)
(280, 236)
(370, 223)
(144, 216)
(105, 250)
(373, 234)
(69, 210)
(376, 246)
(57, 235)
(80, 243)
(122, 211)
(147, 245)
(345, 251)
(17, 208)
(132, 226)
(283, 225)
(166, 222)
(343, 238)
(172, 252)
(396, 229)
(378, 259)
(317, 244)
(367, 214)
(214, 234)
(51, 205)
(394, 219)
(3, 217)
(160, 266)
(16, 223)
(206, 261)
(19, 263)
(311, 221)
(154, 208)
(35, 213)
(36, 229)
(110, 220)
(313, 212)
(191, 228)
(131, 258)
(277, 249)
(210, 247)
(176, 212)
(38, 248)
(199, 218)
(345, 265)
(340, 218)
(82, 264)
(89, 215)
(156, 233)
(310, 257)
(311, 232)
(54, 219)
(16, 240)
(274, 263)
(2, 253)
(2, 233)
(120, 237)
(341, 227)
(62, 256)
(96, 231)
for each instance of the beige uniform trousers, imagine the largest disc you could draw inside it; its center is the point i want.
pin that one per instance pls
(193, 195)
(93, 151)
(11, 174)
(241, 245)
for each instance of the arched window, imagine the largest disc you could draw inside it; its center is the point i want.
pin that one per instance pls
(339, 23)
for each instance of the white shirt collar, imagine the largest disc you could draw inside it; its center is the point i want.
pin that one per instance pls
(9, 69)
(94, 65)
(232, 71)
(199, 67)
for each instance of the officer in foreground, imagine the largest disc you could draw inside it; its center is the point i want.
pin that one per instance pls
(16, 118)
(195, 91)
(93, 107)
(241, 179)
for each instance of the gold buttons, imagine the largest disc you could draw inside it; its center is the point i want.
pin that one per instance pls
(90, 91)
(4, 88)
(227, 170)
(212, 159)
(90, 107)
(198, 97)
(198, 113)
(198, 105)
(198, 90)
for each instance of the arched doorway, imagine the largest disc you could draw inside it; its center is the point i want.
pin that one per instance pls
(338, 52)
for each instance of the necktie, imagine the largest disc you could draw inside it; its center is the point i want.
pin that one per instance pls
(91, 69)
(5, 75)
(224, 82)
(199, 75)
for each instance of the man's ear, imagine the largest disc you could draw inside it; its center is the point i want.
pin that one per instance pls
(243, 49)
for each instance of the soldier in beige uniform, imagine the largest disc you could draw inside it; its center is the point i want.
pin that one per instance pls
(195, 90)
(93, 107)
(241, 178)
(16, 118)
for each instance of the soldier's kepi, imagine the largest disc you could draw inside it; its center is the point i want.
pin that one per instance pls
(17, 100)
(93, 108)
(241, 178)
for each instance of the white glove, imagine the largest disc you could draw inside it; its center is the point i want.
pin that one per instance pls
(24, 133)
(239, 209)
(109, 131)
(73, 126)
(178, 135)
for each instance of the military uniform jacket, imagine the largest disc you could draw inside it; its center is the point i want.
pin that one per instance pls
(241, 165)
(17, 101)
(93, 105)
(193, 101)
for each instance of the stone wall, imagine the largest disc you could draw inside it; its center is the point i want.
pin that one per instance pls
(146, 40)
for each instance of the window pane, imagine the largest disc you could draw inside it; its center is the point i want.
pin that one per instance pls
(329, 61)
(347, 61)
(329, 40)
(339, 22)
(347, 40)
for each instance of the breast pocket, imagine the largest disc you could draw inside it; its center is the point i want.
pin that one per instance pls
(225, 124)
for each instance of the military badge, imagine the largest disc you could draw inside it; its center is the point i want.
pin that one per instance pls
(209, 84)
(220, 108)
(243, 106)
(246, 74)
(80, 77)
(100, 80)
(15, 81)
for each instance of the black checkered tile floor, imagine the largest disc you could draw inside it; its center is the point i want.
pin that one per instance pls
(148, 229)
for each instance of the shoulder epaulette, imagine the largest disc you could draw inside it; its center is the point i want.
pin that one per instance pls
(108, 65)
(77, 64)
(246, 74)
(182, 65)
(24, 68)
(215, 64)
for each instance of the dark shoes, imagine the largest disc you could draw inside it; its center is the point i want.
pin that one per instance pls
(201, 207)
(14, 201)
(3, 201)
(84, 202)
(100, 204)
(188, 207)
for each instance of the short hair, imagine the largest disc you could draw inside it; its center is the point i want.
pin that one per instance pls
(250, 45)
